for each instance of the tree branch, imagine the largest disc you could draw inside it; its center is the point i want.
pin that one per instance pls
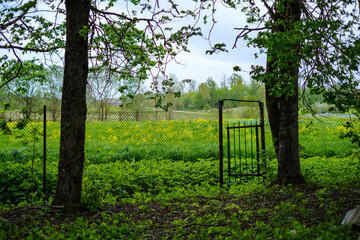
(246, 31)
(29, 49)
(271, 12)
(96, 10)
(19, 60)
(5, 25)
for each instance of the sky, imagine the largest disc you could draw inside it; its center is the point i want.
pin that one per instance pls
(200, 66)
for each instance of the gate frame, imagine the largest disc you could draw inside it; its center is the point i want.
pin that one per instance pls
(221, 140)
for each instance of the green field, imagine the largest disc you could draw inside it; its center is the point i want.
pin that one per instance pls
(162, 142)
(185, 140)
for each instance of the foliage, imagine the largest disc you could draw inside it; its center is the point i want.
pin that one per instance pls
(324, 34)
(22, 32)
(210, 93)
(353, 131)
(25, 89)
(31, 73)
(3, 122)
(19, 26)
(18, 182)
(182, 199)
(108, 180)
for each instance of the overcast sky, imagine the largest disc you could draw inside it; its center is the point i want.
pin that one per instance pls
(200, 66)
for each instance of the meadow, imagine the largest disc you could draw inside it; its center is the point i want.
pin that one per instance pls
(160, 180)
(186, 140)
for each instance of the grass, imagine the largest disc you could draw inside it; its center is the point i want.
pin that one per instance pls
(183, 201)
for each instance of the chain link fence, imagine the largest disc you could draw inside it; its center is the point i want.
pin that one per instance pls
(134, 136)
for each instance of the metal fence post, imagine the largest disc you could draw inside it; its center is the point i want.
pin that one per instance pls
(262, 129)
(221, 149)
(44, 153)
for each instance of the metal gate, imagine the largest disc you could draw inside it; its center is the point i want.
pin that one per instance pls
(244, 146)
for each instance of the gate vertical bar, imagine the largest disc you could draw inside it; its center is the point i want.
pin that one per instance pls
(245, 147)
(257, 151)
(228, 151)
(262, 124)
(240, 149)
(252, 148)
(44, 154)
(234, 131)
(221, 148)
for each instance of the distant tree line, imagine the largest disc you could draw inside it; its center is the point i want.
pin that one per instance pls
(39, 85)
(207, 95)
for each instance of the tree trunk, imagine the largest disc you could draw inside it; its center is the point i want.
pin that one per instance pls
(283, 119)
(283, 110)
(73, 110)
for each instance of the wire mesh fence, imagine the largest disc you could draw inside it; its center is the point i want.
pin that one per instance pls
(134, 136)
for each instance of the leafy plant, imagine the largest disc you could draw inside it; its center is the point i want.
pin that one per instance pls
(4, 128)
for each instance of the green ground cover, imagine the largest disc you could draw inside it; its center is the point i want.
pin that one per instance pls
(181, 200)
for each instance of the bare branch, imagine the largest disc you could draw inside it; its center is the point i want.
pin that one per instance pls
(246, 31)
(96, 10)
(271, 12)
(29, 49)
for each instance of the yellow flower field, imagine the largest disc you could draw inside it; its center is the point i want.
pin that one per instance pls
(175, 139)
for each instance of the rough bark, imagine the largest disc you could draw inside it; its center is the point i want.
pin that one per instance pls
(284, 128)
(73, 110)
(283, 110)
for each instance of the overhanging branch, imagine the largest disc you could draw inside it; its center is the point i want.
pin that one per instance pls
(246, 31)
(29, 49)
(5, 25)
